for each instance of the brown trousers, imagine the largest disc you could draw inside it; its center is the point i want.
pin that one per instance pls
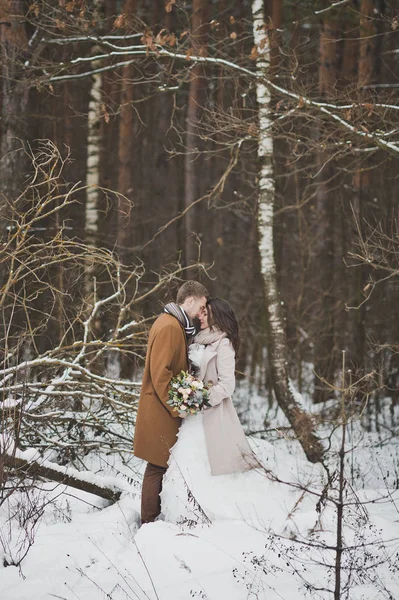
(150, 493)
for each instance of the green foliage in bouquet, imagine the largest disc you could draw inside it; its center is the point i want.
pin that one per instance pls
(187, 393)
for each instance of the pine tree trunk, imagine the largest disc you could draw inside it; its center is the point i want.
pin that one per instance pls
(126, 147)
(300, 421)
(324, 351)
(109, 132)
(349, 326)
(107, 224)
(361, 183)
(126, 168)
(195, 102)
(14, 101)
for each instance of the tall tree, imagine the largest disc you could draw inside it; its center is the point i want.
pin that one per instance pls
(110, 102)
(361, 184)
(325, 209)
(15, 50)
(126, 142)
(300, 421)
(126, 161)
(196, 96)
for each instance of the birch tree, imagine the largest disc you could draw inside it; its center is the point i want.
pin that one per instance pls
(94, 141)
(300, 421)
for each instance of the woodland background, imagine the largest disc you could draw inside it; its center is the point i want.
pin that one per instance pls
(252, 145)
(150, 161)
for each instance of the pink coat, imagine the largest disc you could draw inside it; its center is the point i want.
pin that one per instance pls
(228, 449)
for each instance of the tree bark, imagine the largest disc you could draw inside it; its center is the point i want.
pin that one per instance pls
(34, 469)
(367, 44)
(324, 352)
(109, 134)
(300, 421)
(275, 35)
(107, 225)
(15, 94)
(93, 160)
(194, 106)
(126, 168)
(361, 184)
(126, 148)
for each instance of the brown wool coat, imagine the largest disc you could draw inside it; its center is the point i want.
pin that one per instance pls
(157, 424)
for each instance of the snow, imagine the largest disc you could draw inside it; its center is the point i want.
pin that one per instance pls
(233, 497)
(262, 536)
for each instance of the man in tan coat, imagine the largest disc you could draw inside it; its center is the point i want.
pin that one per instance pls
(157, 424)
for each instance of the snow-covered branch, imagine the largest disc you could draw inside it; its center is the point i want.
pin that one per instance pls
(332, 5)
(158, 51)
(105, 487)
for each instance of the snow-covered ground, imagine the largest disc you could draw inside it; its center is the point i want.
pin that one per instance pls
(84, 548)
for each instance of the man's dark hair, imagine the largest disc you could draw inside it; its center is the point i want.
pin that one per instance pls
(191, 288)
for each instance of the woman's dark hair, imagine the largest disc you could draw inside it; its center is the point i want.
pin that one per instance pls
(221, 315)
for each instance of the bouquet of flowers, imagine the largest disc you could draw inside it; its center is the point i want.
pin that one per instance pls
(188, 394)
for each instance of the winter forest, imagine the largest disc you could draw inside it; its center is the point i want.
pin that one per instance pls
(252, 145)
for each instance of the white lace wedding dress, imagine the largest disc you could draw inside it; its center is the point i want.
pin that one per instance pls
(191, 494)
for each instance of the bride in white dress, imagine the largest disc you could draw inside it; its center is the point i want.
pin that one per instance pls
(213, 473)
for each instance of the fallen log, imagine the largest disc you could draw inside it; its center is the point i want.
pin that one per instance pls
(65, 475)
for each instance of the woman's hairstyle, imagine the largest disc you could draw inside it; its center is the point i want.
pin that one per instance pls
(221, 315)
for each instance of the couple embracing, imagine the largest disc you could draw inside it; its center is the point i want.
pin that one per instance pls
(174, 345)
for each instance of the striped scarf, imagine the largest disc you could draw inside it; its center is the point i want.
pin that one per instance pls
(176, 311)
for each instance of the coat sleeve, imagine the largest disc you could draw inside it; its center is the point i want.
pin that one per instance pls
(225, 367)
(163, 350)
